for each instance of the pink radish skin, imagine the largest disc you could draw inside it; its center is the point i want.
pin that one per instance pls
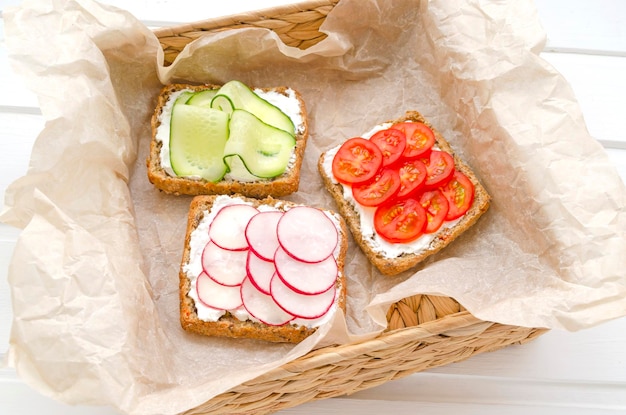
(301, 305)
(260, 272)
(227, 230)
(307, 234)
(261, 234)
(305, 277)
(224, 266)
(217, 296)
(262, 307)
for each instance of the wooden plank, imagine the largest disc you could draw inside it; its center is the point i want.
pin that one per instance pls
(522, 397)
(20, 130)
(590, 27)
(600, 88)
(14, 91)
(618, 157)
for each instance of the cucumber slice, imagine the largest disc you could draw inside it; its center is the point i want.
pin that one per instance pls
(244, 98)
(197, 139)
(238, 171)
(183, 98)
(264, 150)
(202, 98)
(222, 103)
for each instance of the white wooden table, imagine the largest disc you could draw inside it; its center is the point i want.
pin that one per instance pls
(559, 373)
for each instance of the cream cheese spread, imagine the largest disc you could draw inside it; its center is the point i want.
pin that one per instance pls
(288, 104)
(198, 240)
(366, 214)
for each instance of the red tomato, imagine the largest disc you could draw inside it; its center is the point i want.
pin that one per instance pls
(400, 221)
(391, 142)
(436, 206)
(384, 186)
(460, 194)
(357, 161)
(440, 167)
(419, 138)
(412, 176)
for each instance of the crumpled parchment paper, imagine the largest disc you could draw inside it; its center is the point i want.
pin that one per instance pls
(94, 276)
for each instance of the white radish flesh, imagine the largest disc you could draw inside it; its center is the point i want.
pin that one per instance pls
(224, 266)
(227, 230)
(301, 305)
(307, 234)
(261, 234)
(306, 277)
(262, 306)
(215, 295)
(260, 272)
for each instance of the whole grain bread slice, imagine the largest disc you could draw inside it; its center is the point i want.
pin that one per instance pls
(406, 261)
(228, 325)
(283, 185)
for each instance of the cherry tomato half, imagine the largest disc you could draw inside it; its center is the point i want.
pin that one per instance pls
(440, 167)
(460, 194)
(357, 161)
(412, 176)
(383, 187)
(400, 220)
(391, 142)
(436, 206)
(419, 138)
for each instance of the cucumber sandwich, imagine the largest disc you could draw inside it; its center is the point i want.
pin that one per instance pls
(227, 139)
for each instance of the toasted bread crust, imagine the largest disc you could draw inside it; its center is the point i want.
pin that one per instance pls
(394, 266)
(282, 185)
(228, 325)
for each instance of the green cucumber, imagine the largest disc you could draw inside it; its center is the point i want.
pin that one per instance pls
(264, 150)
(183, 97)
(238, 171)
(222, 103)
(197, 139)
(242, 97)
(202, 98)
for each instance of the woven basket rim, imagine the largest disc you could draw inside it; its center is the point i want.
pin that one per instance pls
(445, 326)
(224, 22)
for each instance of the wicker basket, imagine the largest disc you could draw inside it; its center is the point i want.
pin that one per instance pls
(423, 331)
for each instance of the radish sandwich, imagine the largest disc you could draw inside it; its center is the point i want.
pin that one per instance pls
(263, 269)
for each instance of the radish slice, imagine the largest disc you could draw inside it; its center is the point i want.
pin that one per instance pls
(305, 277)
(218, 296)
(262, 307)
(224, 266)
(260, 272)
(301, 305)
(261, 234)
(307, 234)
(228, 227)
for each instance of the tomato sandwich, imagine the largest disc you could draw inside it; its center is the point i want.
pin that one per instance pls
(227, 139)
(403, 192)
(263, 269)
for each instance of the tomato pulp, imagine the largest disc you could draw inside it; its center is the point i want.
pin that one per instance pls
(392, 144)
(419, 138)
(357, 161)
(412, 177)
(460, 194)
(440, 167)
(436, 206)
(400, 221)
(383, 187)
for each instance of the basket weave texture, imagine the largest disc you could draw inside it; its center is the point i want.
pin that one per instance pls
(423, 331)
(297, 25)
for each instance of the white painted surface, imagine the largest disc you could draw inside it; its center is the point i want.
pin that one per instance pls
(559, 373)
